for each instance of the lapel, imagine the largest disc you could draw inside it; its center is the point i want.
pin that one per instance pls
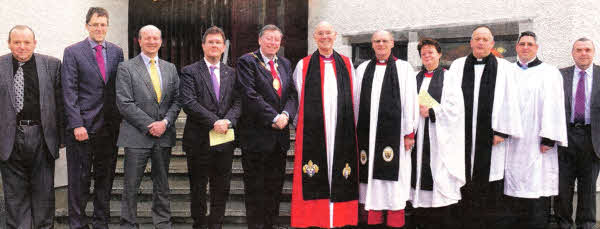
(569, 90)
(263, 66)
(43, 79)
(283, 78)
(595, 86)
(267, 74)
(140, 67)
(84, 48)
(204, 76)
(110, 58)
(224, 85)
(165, 78)
(8, 64)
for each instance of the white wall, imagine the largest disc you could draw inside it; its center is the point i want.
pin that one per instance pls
(557, 23)
(60, 23)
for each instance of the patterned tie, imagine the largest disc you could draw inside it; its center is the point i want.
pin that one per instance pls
(580, 99)
(19, 88)
(155, 80)
(276, 81)
(215, 83)
(100, 61)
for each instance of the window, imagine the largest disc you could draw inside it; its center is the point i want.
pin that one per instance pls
(362, 52)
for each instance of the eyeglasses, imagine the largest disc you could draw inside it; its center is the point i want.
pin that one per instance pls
(97, 25)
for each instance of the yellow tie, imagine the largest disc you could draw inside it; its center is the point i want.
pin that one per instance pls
(155, 79)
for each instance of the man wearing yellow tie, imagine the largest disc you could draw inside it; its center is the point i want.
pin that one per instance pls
(147, 90)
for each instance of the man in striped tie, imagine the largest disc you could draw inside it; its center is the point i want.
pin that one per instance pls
(581, 159)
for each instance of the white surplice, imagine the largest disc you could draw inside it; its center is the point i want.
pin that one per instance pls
(529, 172)
(447, 147)
(330, 94)
(505, 114)
(382, 194)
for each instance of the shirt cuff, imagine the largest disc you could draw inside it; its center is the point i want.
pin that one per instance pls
(166, 122)
(548, 142)
(503, 135)
(276, 117)
(431, 115)
(411, 135)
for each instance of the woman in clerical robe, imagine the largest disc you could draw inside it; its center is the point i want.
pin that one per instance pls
(438, 166)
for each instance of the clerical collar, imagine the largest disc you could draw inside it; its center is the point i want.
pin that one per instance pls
(428, 74)
(381, 62)
(477, 61)
(530, 64)
(327, 58)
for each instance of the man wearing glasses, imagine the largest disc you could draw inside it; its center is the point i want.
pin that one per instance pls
(88, 78)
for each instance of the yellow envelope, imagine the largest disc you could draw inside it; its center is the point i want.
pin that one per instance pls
(217, 139)
(425, 99)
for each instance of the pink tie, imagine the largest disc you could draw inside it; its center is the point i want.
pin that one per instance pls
(100, 60)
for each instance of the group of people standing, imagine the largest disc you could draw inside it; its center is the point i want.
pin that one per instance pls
(488, 151)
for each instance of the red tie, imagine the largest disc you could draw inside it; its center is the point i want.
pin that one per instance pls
(276, 81)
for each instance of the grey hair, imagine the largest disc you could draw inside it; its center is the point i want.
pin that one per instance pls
(147, 28)
(20, 27)
(269, 27)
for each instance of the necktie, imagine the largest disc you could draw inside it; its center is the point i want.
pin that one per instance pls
(155, 80)
(19, 88)
(100, 61)
(580, 99)
(276, 80)
(215, 83)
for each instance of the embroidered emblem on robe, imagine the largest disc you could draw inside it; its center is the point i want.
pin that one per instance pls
(363, 157)
(311, 169)
(346, 171)
(388, 154)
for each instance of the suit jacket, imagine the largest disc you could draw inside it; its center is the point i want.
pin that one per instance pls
(567, 74)
(136, 100)
(89, 102)
(51, 104)
(260, 102)
(197, 98)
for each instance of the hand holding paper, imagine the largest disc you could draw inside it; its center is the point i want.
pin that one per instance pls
(217, 139)
(425, 99)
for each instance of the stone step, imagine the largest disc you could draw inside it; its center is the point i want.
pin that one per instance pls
(178, 151)
(235, 207)
(180, 185)
(178, 165)
(64, 225)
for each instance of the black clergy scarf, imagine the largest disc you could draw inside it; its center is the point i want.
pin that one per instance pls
(388, 123)
(435, 89)
(314, 148)
(484, 131)
(531, 64)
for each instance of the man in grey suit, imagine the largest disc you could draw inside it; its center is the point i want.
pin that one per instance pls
(581, 159)
(89, 73)
(32, 123)
(147, 92)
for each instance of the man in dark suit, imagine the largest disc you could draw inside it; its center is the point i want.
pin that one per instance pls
(269, 101)
(211, 102)
(581, 159)
(32, 122)
(147, 91)
(88, 78)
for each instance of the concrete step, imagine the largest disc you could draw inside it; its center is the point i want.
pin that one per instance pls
(178, 151)
(180, 209)
(180, 186)
(178, 165)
